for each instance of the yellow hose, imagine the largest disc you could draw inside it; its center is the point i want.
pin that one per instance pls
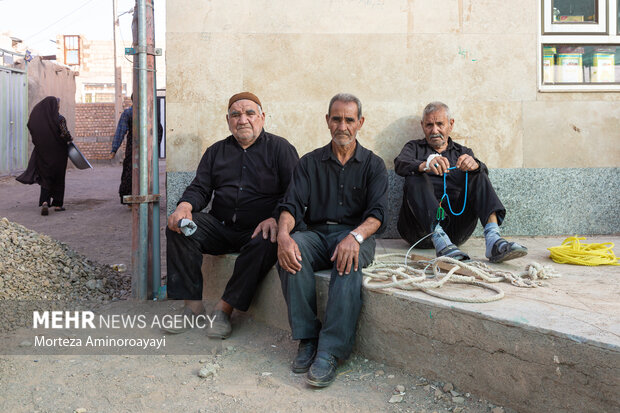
(573, 252)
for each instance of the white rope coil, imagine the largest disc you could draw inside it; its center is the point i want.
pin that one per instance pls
(380, 275)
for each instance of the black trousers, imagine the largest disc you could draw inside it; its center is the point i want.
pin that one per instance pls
(184, 260)
(422, 192)
(54, 197)
(337, 333)
(126, 176)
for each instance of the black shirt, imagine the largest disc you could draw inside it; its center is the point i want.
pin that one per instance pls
(248, 183)
(416, 151)
(335, 193)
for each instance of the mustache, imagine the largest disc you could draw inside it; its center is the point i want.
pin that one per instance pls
(436, 135)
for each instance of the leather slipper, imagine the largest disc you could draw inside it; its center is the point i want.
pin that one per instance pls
(44, 209)
(60, 209)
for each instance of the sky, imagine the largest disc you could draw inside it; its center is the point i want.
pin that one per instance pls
(36, 22)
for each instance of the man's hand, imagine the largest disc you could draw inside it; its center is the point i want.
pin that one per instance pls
(466, 163)
(289, 256)
(439, 165)
(112, 155)
(346, 255)
(184, 210)
(269, 228)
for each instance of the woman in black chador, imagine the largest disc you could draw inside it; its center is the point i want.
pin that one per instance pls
(48, 162)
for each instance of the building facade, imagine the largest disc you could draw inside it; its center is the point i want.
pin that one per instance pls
(550, 142)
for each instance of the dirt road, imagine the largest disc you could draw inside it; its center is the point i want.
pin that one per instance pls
(252, 367)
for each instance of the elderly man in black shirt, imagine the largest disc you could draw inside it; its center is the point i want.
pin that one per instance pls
(423, 163)
(247, 173)
(340, 192)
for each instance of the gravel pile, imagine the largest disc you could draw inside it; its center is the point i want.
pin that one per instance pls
(35, 268)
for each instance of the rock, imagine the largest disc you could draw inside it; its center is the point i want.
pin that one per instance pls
(266, 373)
(80, 410)
(202, 361)
(497, 410)
(457, 410)
(458, 400)
(34, 268)
(448, 387)
(25, 343)
(400, 388)
(427, 387)
(454, 393)
(438, 393)
(208, 370)
(397, 398)
(379, 373)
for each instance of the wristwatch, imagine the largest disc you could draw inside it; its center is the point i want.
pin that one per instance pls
(358, 237)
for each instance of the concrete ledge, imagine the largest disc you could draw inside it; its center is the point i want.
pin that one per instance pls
(546, 349)
(539, 201)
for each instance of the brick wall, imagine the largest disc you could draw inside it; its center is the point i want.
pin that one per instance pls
(94, 120)
(95, 125)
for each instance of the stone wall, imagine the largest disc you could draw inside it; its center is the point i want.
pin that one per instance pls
(479, 57)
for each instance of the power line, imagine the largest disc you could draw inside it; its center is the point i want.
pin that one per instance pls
(62, 18)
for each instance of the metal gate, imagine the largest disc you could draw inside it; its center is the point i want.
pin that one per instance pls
(13, 115)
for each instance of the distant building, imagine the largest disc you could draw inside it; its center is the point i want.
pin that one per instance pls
(94, 60)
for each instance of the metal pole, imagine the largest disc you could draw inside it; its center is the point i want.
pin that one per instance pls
(118, 91)
(156, 247)
(142, 89)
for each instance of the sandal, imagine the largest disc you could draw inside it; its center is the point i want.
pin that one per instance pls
(44, 209)
(60, 209)
(452, 251)
(503, 251)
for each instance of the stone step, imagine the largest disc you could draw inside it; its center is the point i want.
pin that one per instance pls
(553, 348)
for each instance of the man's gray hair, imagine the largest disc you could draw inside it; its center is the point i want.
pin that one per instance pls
(346, 97)
(434, 107)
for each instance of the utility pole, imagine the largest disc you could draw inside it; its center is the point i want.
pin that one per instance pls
(145, 187)
(118, 85)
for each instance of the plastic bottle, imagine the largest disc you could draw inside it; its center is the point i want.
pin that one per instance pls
(119, 267)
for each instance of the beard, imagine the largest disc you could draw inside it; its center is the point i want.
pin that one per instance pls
(343, 139)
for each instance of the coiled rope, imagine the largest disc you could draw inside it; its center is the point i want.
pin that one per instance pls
(380, 275)
(574, 252)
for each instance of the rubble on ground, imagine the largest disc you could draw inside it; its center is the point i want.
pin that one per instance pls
(35, 268)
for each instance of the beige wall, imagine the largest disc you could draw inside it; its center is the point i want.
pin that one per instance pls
(478, 56)
(46, 78)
